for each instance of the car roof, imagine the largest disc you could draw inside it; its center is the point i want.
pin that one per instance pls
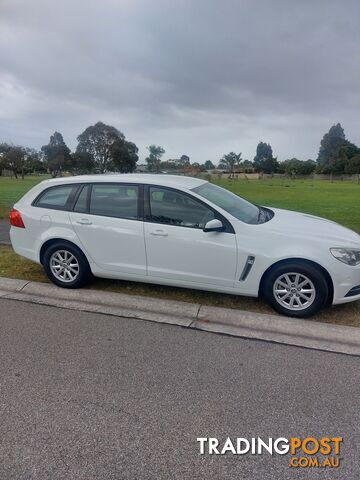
(153, 179)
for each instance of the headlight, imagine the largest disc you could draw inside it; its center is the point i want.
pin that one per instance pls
(350, 256)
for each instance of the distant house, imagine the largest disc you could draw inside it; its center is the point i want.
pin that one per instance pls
(177, 163)
(141, 168)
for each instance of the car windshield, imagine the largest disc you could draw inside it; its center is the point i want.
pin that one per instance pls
(231, 203)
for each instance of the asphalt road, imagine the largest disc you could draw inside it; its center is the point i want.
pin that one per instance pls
(4, 231)
(89, 396)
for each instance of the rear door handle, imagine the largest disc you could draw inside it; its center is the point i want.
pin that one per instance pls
(159, 233)
(84, 221)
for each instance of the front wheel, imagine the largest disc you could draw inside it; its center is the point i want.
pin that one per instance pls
(295, 289)
(66, 265)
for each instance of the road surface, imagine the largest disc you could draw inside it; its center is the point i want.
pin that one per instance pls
(4, 231)
(87, 396)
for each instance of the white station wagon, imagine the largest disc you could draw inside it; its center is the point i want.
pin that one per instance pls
(185, 232)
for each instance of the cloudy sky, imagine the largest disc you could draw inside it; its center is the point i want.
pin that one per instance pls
(200, 77)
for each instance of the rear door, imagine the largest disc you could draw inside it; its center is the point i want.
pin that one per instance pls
(107, 217)
(177, 247)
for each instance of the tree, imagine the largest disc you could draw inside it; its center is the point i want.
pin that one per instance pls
(82, 162)
(229, 161)
(335, 151)
(33, 161)
(209, 165)
(176, 163)
(353, 166)
(350, 149)
(125, 155)
(294, 166)
(57, 155)
(37, 166)
(97, 140)
(330, 145)
(247, 166)
(184, 160)
(20, 160)
(339, 162)
(14, 159)
(4, 147)
(154, 158)
(264, 160)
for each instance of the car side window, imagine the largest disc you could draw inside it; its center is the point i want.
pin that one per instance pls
(175, 208)
(81, 202)
(115, 200)
(57, 198)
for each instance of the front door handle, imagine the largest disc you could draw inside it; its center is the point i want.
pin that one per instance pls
(84, 221)
(159, 233)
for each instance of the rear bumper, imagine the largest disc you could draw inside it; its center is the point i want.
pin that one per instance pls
(23, 244)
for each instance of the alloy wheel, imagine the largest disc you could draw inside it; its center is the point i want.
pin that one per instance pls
(64, 266)
(294, 291)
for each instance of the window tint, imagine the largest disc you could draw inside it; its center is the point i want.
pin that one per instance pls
(56, 197)
(81, 203)
(173, 208)
(114, 200)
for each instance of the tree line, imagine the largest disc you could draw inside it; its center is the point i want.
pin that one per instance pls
(103, 148)
(336, 156)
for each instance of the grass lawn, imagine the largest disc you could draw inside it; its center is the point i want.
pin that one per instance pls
(12, 190)
(338, 201)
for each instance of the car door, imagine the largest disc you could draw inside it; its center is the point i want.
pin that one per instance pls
(107, 218)
(178, 249)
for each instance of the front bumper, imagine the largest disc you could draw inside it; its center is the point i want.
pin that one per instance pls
(353, 292)
(346, 281)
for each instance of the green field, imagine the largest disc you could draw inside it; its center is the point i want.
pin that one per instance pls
(11, 190)
(339, 201)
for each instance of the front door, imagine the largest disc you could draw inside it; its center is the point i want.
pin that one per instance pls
(177, 248)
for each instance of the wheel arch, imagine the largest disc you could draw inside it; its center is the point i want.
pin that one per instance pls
(316, 265)
(53, 241)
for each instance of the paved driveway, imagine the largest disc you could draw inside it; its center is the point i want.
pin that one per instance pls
(4, 231)
(89, 396)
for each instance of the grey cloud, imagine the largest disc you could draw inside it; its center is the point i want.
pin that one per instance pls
(199, 77)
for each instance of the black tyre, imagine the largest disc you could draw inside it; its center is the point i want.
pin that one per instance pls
(66, 265)
(296, 289)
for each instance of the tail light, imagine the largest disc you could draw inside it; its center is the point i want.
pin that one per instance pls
(15, 219)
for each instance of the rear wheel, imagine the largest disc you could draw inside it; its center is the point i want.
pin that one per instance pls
(295, 289)
(66, 265)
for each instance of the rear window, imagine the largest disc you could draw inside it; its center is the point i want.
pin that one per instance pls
(57, 198)
(113, 200)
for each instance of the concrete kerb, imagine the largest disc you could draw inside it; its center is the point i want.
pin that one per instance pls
(132, 306)
(10, 285)
(302, 333)
(274, 328)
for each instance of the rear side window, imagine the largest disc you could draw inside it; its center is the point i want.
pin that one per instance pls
(57, 198)
(115, 200)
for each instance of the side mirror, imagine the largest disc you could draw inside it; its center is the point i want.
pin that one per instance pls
(214, 226)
